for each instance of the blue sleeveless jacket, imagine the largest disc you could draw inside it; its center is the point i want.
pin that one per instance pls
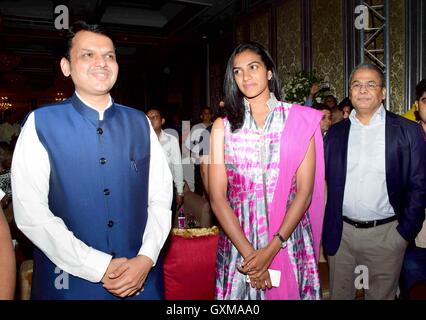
(98, 186)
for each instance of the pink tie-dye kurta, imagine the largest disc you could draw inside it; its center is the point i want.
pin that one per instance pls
(252, 158)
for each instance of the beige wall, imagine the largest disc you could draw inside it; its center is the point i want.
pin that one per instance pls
(288, 39)
(327, 43)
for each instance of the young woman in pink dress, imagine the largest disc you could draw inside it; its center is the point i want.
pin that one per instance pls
(266, 184)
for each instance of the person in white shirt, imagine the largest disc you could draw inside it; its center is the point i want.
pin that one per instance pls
(7, 259)
(9, 129)
(376, 192)
(170, 145)
(91, 186)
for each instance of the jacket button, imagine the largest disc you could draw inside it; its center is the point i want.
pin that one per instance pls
(106, 192)
(102, 160)
(110, 223)
(99, 131)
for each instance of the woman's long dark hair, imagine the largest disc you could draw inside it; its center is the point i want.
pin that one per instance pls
(234, 104)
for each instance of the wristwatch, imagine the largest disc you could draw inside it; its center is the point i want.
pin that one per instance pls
(283, 241)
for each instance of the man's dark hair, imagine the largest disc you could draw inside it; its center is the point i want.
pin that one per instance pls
(161, 113)
(205, 108)
(369, 66)
(345, 102)
(321, 106)
(81, 26)
(420, 89)
(332, 97)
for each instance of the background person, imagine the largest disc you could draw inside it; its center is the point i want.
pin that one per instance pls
(170, 145)
(7, 260)
(413, 272)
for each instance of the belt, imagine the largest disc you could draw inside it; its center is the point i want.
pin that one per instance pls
(368, 224)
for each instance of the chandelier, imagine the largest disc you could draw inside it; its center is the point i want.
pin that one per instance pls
(5, 104)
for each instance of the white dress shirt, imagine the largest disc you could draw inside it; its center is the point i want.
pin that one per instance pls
(366, 197)
(30, 184)
(170, 145)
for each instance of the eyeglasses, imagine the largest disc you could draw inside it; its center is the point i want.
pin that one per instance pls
(370, 86)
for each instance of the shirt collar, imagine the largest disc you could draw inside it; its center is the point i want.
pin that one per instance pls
(162, 136)
(272, 103)
(100, 113)
(378, 117)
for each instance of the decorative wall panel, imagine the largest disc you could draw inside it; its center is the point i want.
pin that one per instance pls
(288, 39)
(259, 28)
(397, 55)
(327, 43)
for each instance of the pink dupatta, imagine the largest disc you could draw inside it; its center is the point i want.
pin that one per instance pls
(301, 125)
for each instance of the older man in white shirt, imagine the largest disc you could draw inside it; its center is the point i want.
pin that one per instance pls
(170, 145)
(375, 172)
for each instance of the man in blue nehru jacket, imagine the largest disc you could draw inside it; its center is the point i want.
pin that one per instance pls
(83, 185)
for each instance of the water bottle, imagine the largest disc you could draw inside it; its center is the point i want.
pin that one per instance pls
(181, 218)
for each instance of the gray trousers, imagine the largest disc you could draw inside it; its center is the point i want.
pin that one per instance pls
(368, 259)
